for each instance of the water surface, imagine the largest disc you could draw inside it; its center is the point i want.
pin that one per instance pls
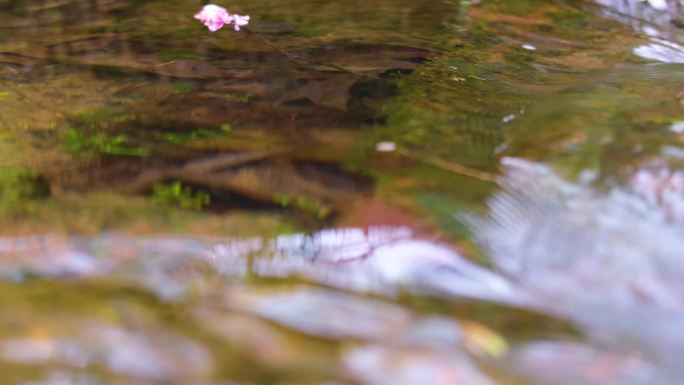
(433, 192)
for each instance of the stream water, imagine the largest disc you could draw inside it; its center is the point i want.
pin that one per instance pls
(343, 192)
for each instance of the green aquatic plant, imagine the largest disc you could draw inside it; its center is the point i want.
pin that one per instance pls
(77, 142)
(100, 117)
(306, 204)
(175, 194)
(183, 88)
(242, 98)
(200, 133)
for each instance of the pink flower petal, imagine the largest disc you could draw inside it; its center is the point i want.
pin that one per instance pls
(215, 17)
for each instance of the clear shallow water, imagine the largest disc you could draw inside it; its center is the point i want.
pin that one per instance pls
(185, 207)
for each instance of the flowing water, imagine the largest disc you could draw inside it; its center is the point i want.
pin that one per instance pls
(345, 192)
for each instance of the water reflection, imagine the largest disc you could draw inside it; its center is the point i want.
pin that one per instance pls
(607, 261)
(657, 12)
(661, 49)
(658, 20)
(663, 188)
(153, 356)
(383, 261)
(566, 363)
(378, 365)
(326, 308)
(378, 260)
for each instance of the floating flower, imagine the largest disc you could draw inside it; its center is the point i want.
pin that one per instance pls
(215, 17)
(240, 20)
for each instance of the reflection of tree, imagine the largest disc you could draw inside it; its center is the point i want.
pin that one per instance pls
(609, 261)
(636, 12)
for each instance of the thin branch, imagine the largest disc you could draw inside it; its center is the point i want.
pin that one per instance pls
(298, 60)
(453, 167)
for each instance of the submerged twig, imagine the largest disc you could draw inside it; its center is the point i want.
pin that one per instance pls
(298, 60)
(202, 168)
(452, 167)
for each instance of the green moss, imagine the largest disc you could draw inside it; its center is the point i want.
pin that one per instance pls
(176, 194)
(308, 205)
(182, 88)
(77, 143)
(19, 186)
(198, 133)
